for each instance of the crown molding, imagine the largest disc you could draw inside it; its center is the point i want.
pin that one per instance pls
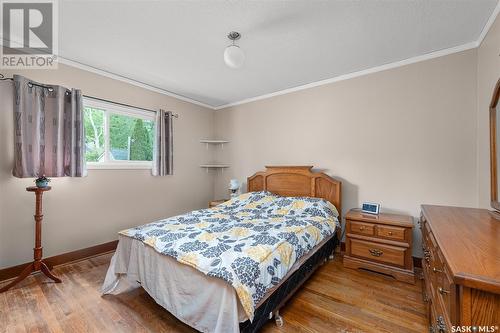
(412, 60)
(121, 78)
(488, 24)
(376, 69)
(125, 79)
(352, 75)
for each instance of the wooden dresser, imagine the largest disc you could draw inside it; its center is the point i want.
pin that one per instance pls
(381, 243)
(461, 267)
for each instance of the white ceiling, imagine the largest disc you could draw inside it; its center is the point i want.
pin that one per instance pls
(178, 45)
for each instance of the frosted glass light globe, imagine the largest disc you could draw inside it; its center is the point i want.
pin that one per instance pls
(234, 56)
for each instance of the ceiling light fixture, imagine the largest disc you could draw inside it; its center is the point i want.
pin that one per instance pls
(234, 56)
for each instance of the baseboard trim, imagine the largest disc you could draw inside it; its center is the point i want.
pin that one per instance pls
(417, 262)
(61, 259)
(89, 252)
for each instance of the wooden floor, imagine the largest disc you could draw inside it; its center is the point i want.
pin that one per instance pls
(333, 300)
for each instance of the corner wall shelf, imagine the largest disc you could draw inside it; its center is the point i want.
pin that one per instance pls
(214, 142)
(214, 166)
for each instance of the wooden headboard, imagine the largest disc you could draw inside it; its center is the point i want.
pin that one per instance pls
(295, 181)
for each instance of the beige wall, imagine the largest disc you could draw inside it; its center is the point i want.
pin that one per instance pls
(401, 137)
(488, 73)
(81, 212)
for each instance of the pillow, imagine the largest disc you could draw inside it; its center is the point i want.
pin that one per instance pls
(276, 205)
(303, 206)
(250, 200)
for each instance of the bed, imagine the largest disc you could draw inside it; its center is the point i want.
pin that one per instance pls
(232, 267)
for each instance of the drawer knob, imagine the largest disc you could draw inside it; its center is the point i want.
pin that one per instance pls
(390, 233)
(443, 291)
(441, 326)
(426, 298)
(376, 252)
(435, 270)
(427, 254)
(361, 228)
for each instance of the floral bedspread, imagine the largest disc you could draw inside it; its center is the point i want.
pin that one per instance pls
(251, 241)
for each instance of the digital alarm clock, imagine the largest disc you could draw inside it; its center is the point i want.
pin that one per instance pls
(370, 208)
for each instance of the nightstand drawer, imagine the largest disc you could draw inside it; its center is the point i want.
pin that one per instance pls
(361, 228)
(390, 255)
(396, 233)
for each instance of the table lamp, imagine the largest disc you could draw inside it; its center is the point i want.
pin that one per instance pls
(234, 187)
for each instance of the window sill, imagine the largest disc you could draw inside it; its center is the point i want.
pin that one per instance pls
(120, 166)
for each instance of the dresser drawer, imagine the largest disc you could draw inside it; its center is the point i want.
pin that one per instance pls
(391, 232)
(390, 255)
(445, 290)
(362, 228)
(426, 292)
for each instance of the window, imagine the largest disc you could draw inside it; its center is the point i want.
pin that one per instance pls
(117, 137)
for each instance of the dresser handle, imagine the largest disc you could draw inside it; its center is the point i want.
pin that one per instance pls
(427, 254)
(435, 270)
(390, 233)
(421, 221)
(443, 291)
(376, 252)
(441, 326)
(361, 228)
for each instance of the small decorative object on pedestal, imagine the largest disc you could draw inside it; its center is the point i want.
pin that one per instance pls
(42, 182)
(37, 264)
(63, 111)
(234, 187)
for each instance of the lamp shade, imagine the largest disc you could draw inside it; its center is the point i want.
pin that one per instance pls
(234, 184)
(234, 56)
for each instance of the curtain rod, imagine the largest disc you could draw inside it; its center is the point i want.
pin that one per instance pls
(3, 78)
(175, 115)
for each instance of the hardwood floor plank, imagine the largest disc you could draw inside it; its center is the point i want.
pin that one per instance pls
(335, 299)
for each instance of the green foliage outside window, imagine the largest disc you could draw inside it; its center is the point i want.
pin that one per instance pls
(94, 134)
(141, 148)
(130, 138)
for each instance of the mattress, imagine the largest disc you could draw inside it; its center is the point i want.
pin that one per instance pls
(206, 303)
(213, 268)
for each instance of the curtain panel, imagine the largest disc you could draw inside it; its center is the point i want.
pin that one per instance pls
(48, 130)
(163, 150)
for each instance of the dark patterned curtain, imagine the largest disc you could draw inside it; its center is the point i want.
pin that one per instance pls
(48, 130)
(163, 152)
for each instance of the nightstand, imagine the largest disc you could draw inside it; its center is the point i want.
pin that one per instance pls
(381, 243)
(214, 203)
